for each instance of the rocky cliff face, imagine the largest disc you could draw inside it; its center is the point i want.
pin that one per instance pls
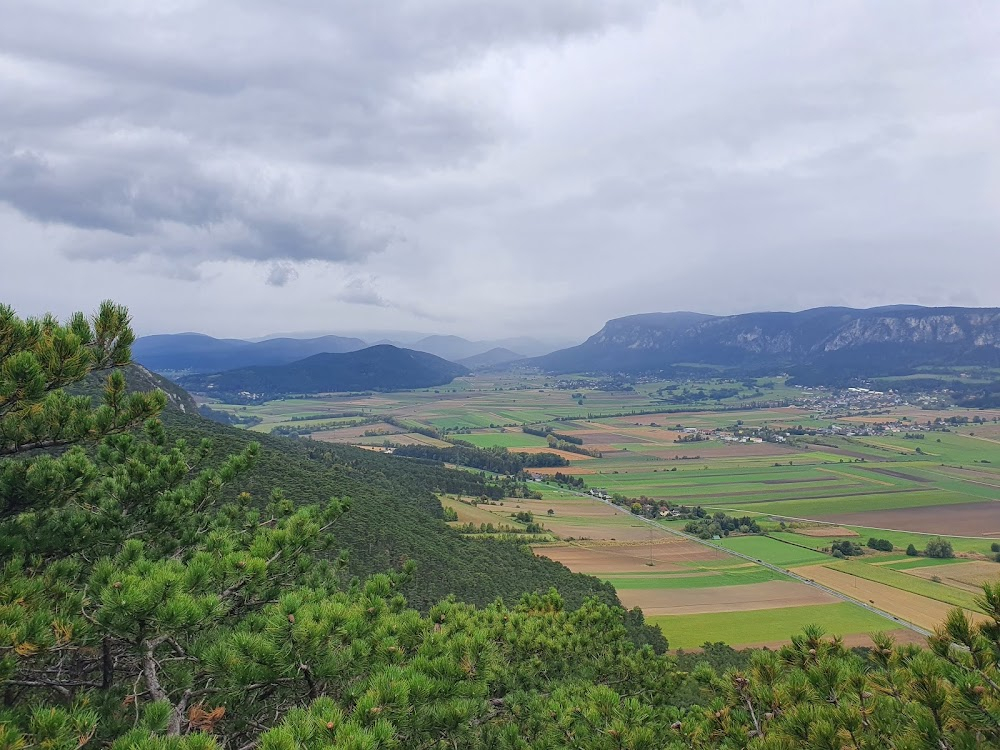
(835, 337)
(970, 328)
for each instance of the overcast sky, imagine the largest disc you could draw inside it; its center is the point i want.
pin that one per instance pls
(494, 168)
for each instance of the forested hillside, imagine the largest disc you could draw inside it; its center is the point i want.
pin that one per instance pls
(159, 591)
(394, 517)
(378, 368)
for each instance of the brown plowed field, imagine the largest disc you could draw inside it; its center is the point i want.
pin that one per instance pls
(921, 611)
(769, 595)
(590, 437)
(969, 576)
(668, 556)
(565, 454)
(824, 532)
(967, 519)
(899, 475)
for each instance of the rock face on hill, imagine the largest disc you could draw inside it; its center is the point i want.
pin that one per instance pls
(836, 340)
(139, 379)
(377, 368)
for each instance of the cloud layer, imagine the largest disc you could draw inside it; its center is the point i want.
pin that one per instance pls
(494, 168)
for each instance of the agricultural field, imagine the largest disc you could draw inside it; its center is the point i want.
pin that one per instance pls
(759, 628)
(819, 474)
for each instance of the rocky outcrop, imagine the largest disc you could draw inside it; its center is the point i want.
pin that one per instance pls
(868, 341)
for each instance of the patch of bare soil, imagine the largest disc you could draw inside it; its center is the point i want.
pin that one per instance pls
(594, 558)
(967, 519)
(826, 532)
(741, 598)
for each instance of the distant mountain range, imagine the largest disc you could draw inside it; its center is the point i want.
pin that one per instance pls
(196, 352)
(821, 344)
(382, 367)
(188, 353)
(492, 358)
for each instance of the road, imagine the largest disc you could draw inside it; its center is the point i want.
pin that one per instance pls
(781, 571)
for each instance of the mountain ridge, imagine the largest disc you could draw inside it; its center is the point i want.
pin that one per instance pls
(375, 368)
(493, 358)
(178, 354)
(200, 353)
(841, 340)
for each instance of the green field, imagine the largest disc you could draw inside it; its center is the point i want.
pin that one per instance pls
(773, 551)
(900, 540)
(766, 625)
(511, 440)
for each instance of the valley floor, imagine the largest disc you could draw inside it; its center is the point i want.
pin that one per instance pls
(898, 476)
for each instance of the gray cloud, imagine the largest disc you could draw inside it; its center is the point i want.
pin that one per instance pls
(280, 274)
(243, 122)
(362, 291)
(488, 165)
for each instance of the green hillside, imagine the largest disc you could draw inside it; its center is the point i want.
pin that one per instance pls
(377, 368)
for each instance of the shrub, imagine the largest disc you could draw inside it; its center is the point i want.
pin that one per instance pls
(846, 548)
(883, 545)
(939, 548)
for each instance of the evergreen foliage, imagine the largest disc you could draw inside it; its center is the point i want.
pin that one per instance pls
(883, 545)
(846, 548)
(938, 547)
(721, 524)
(380, 368)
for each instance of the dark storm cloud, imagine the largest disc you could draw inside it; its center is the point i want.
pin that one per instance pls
(244, 123)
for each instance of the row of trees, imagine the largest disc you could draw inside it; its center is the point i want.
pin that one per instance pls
(547, 432)
(720, 524)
